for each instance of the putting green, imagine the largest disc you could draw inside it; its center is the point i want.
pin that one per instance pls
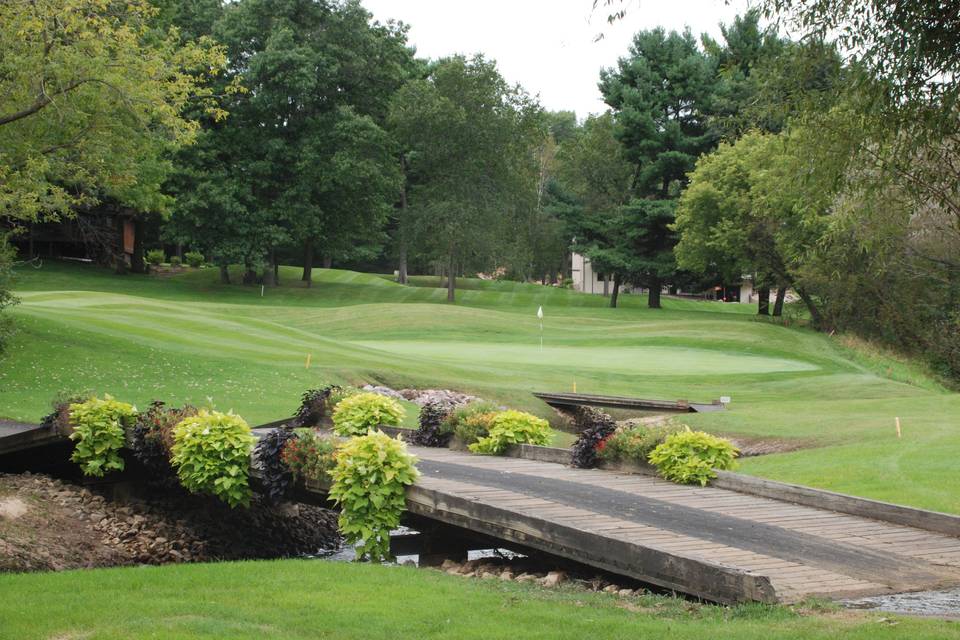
(645, 360)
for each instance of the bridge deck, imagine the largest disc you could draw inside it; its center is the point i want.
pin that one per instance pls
(794, 550)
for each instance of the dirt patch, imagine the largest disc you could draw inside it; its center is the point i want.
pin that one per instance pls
(755, 446)
(65, 526)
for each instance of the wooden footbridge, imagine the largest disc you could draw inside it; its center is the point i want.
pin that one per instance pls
(742, 540)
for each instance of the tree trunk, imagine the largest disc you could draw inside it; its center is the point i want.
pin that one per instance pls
(180, 251)
(137, 263)
(30, 248)
(816, 318)
(307, 263)
(653, 298)
(327, 261)
(778, 303)
(606, 285)
(249, 276)
(224, 274)
(269, 271)
(616, 291)
(402, 227)
(763, 301)
(451, 279)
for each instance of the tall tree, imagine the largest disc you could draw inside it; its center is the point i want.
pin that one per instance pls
(662, 94)
(305, 143)
(468, 138)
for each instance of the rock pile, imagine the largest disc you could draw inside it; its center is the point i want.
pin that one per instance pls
(444, 397)
(522, 571)
(66, 526)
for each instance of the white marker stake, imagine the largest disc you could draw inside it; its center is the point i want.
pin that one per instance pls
(540, 317)
(261, 291)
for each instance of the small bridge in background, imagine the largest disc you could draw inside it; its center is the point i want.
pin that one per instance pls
(571, 400)
(743, 539)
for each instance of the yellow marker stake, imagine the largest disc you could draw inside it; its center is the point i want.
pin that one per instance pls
(307, 365)
(574, 386)
(898, 426)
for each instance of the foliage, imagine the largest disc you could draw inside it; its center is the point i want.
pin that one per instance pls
(690, 457)
(475, 426)
(468, 138)
(309, 455)
(155, 257)
(513, 427)
(323, 175)
(594, 427)
(151, 439)
(99, 429)
(358, 413)
(315, 404)
(58, 419)
(211, 452)
(175, 261)
(7, 299)
(269, 460)
(94, 97)
(634, 444)
(432, 431)
(194, 259)
(368, 483)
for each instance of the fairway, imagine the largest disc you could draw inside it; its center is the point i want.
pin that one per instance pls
(189, 339)
(656, 361)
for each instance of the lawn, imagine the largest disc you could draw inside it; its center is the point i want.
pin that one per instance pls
(311, 599)
(188, 339)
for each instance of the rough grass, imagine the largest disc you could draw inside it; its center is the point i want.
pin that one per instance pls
(311, 599)
(188, 339)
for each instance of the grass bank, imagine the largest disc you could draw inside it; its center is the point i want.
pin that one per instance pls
(311, 599)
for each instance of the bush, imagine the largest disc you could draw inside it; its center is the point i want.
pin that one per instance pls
(155, 257)
(690, 457)
(314, 405)
(175, 261)
(194, 259)
(99, 429)
(513, 427)
(274, 473)
(475, 426)
(152, 439)
(211, 452)
(368, 483)
(462, 413)
(594, 427)
(59, 419)
(431, 432)
(309, 455)
(634, 444)
(359, 413)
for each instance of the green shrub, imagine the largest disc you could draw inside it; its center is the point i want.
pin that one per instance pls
(194, 259)
(155, 257)
(99, 429)
(690, 457)
(359, 413)
(462, 413)
(369, 477)
(475, 426)
(211, 452)
(513, 427)
(634, 444)
(309, 455)
(175, 261)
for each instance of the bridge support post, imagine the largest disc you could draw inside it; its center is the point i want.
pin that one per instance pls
(439, 542)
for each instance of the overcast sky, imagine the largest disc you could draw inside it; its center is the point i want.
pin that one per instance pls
(547, 45)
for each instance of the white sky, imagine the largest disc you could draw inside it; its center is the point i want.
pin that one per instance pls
(547, 45)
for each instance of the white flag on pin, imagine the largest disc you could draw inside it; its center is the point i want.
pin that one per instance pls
(540, 312)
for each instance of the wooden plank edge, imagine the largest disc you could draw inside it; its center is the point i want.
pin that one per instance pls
(699, 578)
(935, 521)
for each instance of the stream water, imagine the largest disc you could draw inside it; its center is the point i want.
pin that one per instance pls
(943, 604)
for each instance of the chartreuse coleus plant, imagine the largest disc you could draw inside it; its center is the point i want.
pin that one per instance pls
(99, 429)
(513, 427)
(211, 453)
(690, 457)
(369, 478)
(357, 414)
